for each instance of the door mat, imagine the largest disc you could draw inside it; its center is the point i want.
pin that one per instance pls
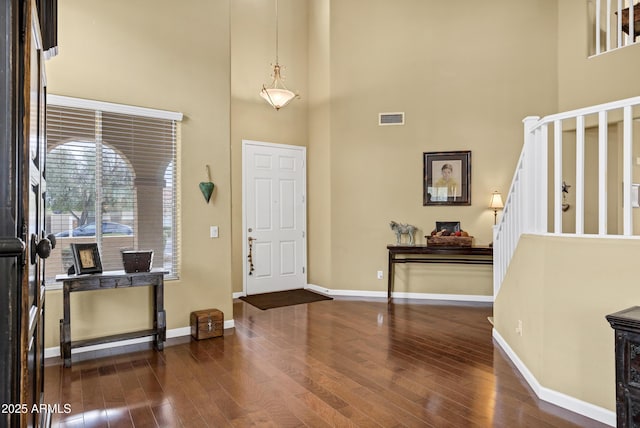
(284, 298)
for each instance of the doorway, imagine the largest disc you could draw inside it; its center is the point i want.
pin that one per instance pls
(274, 217)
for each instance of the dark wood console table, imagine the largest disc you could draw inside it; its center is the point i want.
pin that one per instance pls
(106, 280)
(430, 254)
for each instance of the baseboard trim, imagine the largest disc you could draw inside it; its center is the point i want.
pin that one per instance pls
(174, 332)
(383, 295)
(400, 295)
(589, 410)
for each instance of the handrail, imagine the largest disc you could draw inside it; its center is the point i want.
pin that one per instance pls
(585, 111)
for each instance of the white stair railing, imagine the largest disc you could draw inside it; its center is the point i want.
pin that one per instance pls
(526, 208)
(616, 24)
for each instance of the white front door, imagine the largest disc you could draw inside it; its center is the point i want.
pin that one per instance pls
(274, 217)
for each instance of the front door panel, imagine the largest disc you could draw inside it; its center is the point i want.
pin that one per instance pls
(275, 217)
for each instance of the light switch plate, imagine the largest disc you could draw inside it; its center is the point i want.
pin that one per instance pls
(213, 231)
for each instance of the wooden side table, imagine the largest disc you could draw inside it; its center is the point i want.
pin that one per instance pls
(106, 280)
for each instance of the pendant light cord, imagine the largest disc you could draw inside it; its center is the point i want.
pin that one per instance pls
(277, 32)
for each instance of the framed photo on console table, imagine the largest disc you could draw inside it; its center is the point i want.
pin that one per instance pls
(447, 178)
(86, 258)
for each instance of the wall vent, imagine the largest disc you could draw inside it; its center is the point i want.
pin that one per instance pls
(391, 118)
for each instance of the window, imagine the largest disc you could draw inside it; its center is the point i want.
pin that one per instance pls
(111, 179)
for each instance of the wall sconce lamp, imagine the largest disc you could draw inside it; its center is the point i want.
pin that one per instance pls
(277, 95)
(496, 204)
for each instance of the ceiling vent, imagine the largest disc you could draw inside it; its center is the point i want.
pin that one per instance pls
(391, 119)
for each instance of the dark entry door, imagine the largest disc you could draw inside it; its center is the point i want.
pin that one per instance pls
(23, 246)
(39, 247)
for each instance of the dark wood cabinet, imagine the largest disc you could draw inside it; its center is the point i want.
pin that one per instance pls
(626, 324)
(23, 244)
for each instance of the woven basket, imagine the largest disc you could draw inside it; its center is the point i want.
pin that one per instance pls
(449, 241)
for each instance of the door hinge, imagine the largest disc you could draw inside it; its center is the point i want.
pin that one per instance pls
(303, 269)
(303, 234)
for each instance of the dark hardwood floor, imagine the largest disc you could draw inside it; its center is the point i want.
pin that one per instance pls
(334, 363)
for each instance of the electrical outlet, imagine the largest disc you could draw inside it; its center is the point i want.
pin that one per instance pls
(380, 274)
(519, 328)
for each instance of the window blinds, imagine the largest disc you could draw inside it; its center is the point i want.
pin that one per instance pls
(111, 179)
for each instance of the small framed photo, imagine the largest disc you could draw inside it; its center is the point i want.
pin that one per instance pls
(86, 258)
(447, 178)
(450, 226)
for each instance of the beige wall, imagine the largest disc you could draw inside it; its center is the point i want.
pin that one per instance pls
(319, 148)
(585, 81)
(252, 58)
(160, 55)
(460, 90)
(349, 60)
(365, 57)
(562, 289)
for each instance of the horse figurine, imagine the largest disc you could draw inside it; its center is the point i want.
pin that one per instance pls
(403, 229)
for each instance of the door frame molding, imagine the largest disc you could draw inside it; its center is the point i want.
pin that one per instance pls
(302, 149)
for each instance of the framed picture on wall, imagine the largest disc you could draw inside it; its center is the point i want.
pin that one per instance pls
(447, 178)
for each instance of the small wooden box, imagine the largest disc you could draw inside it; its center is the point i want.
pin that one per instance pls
(207, 323)
(449, 241)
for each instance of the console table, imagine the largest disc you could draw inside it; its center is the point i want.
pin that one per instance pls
(106, 280)
(399, 253)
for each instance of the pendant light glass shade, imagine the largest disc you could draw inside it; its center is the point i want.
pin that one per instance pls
(277, 95)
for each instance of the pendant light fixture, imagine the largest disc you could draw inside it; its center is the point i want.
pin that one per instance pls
(277, 95)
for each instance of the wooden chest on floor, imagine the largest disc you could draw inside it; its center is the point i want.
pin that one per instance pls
(207, 323)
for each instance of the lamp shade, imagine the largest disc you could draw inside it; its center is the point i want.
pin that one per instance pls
(277, 97)
(496, 201)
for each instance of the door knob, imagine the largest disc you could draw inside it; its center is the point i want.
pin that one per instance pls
(51, 237)
(44, 248)
(40, 248)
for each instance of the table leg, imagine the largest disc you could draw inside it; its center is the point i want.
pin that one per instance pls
(159, 321)
(390, 274)
(65, 325)
(161, 335)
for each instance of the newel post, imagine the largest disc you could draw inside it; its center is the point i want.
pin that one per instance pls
(534, 197)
